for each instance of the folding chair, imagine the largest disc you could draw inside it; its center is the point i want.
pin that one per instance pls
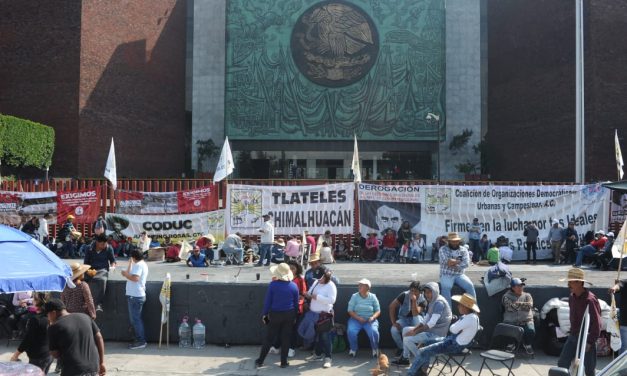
(458, 359)
(505, 342)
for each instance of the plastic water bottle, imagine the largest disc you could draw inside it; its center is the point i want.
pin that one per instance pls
(199, 335)
(185, 334)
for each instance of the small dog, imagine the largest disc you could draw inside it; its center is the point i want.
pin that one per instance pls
(383, 367)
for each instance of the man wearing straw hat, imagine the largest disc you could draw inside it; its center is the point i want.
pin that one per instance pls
(462, 334)
(454, 259)
(581, 298)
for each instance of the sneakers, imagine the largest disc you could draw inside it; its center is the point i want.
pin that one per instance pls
(137, 345)
(327, 363)
(258, 363)
(352, 353)
(274, 350)
(99, 308)
(291, 353)
(401, 361)
(528, 349)
(314, 358)
(285, 365)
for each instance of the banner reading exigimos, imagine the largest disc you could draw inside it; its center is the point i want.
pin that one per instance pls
(330, 69)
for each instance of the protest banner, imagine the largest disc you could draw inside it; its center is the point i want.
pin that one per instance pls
(158, 227)
(18, 207)
(316, 208)
(187, 201)
(198, 200)
(83, 204)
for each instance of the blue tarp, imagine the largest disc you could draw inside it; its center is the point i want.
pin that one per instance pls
(27, 265)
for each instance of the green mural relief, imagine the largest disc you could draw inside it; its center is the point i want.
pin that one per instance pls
(305, 69)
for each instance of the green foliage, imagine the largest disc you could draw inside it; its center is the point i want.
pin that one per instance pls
(24, 143)
(207, 149)
(460, 140)
(466, 168)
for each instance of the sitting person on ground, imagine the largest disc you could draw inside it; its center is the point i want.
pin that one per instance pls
(463, 331)
(206, 244)
(494, 256)
(173, 252)
(292, 248)
(454, 259)
(388, 245)
(79, 299)
(35, 342)
(507, 254)
(197, 259)
(278, 252)
(434, 325)
(364, 310)
(325, 238)
(233, 245)
(518, 311)
(66, 237)
(326, 254)
(143, 244)
(100, 257)
(417, 247)
(405, 311)
(591, 249)
(371, 249)
(83, 244)
(341, 250)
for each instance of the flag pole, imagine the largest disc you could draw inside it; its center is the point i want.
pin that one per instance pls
(622, 250)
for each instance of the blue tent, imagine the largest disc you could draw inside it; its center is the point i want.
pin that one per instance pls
(27, 265)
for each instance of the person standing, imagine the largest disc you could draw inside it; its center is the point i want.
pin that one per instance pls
(136, 275)
(518, 311)
(75, 339)
(44, 230)
(474, 236)
(581, 298)
(454, 260)
(100, 257)
(79, 299)
(531, 234)
(267, 241)
(35, 342)
(571, 238)
(556, 237)
(279, 312)
(322, 296)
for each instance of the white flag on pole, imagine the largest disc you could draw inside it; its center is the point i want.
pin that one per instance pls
(110, 169)
(355, 164)
(619, 155)
(225, 164)
(619, 248)
(164, 298)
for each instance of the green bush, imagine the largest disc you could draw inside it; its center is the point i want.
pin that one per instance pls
(24, 143)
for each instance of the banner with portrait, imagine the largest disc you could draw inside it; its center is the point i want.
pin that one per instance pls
(158, 227)
(195, 200)
(385, 207)
(18, 207)
(294, 209)
(83, 204)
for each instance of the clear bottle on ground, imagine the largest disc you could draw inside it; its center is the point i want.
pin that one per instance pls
(199, 335)
(185, 334)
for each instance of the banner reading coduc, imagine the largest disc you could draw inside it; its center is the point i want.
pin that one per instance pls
(159, 227)
(315, 208)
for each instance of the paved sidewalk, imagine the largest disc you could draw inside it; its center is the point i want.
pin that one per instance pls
(238, 360)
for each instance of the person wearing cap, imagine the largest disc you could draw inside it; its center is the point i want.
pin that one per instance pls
(556, 238)
(100, 257)
(434, 325)
(591, 249)
(136, 274)
(65, 236)
(279, 312)
(474, 236)
(579, 299)
(405, 311)
(233, 245)
(321, 295)
(463, 331)
(278, 251)
(75, 339)
(454, 259)
(364, 310)
(571, 239)
(35, 341)
(79, 299)
(518, 311)
(267, 241)
(372, 247)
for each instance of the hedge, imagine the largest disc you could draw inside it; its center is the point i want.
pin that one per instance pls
(25, 143)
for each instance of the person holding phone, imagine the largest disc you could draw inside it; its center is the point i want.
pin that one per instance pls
(136, 275)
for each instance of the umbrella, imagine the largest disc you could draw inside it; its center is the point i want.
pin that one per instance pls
(617, 185)
(28, 265)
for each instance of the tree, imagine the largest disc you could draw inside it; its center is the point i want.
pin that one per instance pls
(25, 143)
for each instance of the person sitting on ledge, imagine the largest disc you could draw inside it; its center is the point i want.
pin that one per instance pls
(197, 259)
(206, 244)
(278, 251)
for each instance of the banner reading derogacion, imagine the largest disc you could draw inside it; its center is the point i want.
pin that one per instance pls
(316, 208)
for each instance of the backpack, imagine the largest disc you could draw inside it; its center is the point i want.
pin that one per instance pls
(338, 338)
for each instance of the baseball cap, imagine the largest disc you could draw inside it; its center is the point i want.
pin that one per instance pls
(517, 282)
(364, 281)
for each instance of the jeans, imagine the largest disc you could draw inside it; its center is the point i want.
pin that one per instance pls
(623, 337)
(371, 329)
(584, 251)
(323, 344)
(410, 342)
(555, 248)
(404, 322)
(461, 280)
(98, 285)
(135, 306)
(281, 325)
(446, 346)
(239, 253)
(568, 354)
(475, 248)
(531, 247)
(265, 252)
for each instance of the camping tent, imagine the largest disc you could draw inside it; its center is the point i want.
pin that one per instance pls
(28, 265)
